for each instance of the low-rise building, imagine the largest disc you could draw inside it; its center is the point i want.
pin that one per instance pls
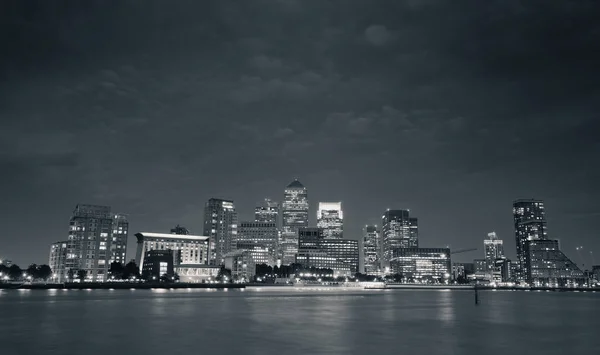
(187, 249)
(196, 273)
(241, 265)
(548, 266)
(421, 264)
(158, 264)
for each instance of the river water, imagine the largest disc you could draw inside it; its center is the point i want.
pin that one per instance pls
(282, 322)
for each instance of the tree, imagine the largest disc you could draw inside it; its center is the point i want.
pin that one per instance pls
(70, 275)
(32, 271)
(116, 270)
(81, 275)
(224, 274)
(15, 272)
(44, 272)
(131, 270)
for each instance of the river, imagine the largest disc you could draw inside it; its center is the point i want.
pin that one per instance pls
(288, 322)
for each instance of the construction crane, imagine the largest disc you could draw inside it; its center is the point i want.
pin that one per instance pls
(459, 251)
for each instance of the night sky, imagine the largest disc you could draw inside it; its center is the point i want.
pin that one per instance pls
(451, 109)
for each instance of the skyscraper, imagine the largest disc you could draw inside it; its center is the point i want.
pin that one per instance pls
(260, 238)
(399, 230)
(267, 211)
(371, 249)
(330, 218)
(220, 225)
(494, 250)
(530, 224)
(89, 244)
(314, 250)
(118, 246)
(294, 217)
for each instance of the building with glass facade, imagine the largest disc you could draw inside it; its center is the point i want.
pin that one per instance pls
(267, 211)
(158, 263)
(294, 216)
(371, 250)
(259, 238)
(548, 266)
(330, 218)
(399, 230)
(530, 224)
(220, 225)
(421, 264)
(314, 250)
(493, 249)
(187, 249)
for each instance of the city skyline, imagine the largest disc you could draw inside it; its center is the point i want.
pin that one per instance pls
(420, 105)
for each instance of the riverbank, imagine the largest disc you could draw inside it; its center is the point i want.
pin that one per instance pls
(117, 286)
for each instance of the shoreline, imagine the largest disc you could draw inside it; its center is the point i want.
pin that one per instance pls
(392, 287)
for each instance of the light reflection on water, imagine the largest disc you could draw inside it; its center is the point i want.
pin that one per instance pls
(296, 322)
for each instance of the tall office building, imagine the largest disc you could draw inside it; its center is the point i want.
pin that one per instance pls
(399, 230)
(371, 249)
(422, 264)
(548, 266)
(220, 225)
(58, 256)
(267, 211)
(92, 243)
(294, 217)
(260, 238)
(493, 249)
(118, 246)
(530, 224)
(330, 218)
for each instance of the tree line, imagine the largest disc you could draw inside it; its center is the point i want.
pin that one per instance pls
(34, 272)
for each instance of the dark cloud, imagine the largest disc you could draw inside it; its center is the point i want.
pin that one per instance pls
(153, 107)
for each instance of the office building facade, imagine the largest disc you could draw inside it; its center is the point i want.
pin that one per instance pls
(186, 249)
(430, 265)
(294, 216)
(118, 246)
(241, 264)
(261, 238)
(493, 251)
(220, 225)
(399, 230)
(268, 212)
(548, 266)
(529, 218)
(371, 249)
(330, 218)
(158, 263)
(314, 250)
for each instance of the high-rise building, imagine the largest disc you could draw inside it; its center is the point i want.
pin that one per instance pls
(118, 246)
(258, 237)
(371, 249)
(314, 250)
(294, 217)
(267, 211)
(89, 244)
(330, 218)
(422, 264)
(530, 224)
(57, 261)
(220, 224)
(548, 266)
(493, 251)
(399, 230)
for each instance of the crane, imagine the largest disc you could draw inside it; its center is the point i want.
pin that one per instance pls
(459, 251)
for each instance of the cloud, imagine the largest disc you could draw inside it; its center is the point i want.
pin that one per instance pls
(378, 35)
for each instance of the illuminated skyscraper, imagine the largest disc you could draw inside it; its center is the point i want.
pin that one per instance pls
(399, 230)
(494, 251)
(530, 224)
(260, 238)
(267, 211)
(371, 249)
(294, 217)
(220, 225)
(330, 218)
(118, 245)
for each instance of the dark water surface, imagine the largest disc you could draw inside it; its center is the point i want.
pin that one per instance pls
(297, 322)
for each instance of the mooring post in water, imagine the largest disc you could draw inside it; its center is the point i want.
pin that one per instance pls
(476, 295)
